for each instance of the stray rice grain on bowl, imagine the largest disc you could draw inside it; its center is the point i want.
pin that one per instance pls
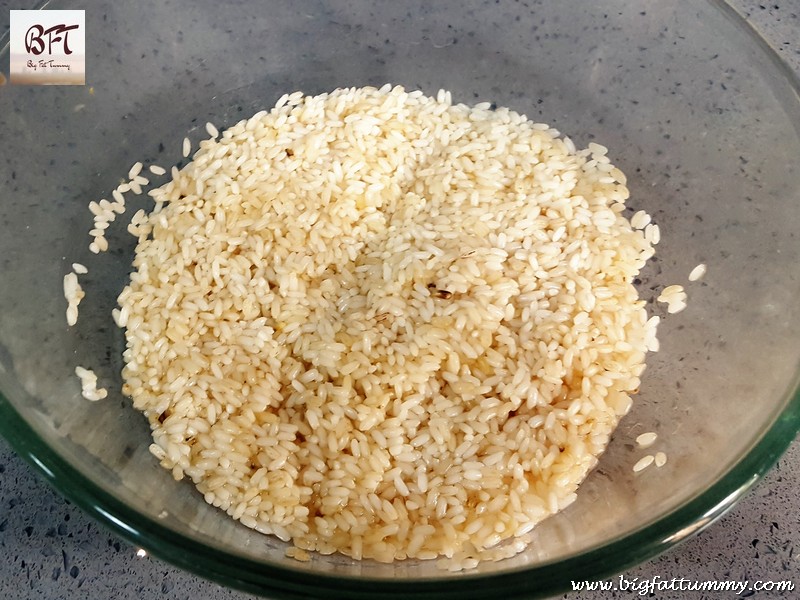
(378, 323)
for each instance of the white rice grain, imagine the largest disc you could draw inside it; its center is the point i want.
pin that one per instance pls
(73, 293)
(674, 297)
(652, 234)
(643, 463)
(293, 552)
(645, 440)
(677, 305)
(135, 170)
(72, 314)
(89, 389)
(640, 220)
(698, 272)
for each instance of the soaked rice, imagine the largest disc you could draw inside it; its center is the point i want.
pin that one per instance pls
(377, 323)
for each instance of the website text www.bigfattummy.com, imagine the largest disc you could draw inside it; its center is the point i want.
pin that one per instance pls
(647, 586)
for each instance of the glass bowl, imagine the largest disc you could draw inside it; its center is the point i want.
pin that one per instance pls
(696, 110)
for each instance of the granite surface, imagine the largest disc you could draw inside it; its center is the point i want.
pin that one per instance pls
(51, 550)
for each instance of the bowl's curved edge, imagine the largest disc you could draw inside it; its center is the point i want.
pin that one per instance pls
(540, 581)
(739, 20)
(4, 37)
(537, 582)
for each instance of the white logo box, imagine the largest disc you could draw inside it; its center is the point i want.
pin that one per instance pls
(47, 47)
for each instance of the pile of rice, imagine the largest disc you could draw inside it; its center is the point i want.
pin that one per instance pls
(377, 323)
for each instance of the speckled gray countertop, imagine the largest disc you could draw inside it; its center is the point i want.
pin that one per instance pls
(51, 550)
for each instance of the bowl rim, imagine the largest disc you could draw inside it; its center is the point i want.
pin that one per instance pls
(539, 581)
(542, 580)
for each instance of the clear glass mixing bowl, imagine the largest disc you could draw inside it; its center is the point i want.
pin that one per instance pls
(695, 108)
